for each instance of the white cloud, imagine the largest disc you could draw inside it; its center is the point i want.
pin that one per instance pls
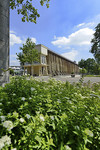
(80, 37)
(33, 39)
(79, 25)
(87, 25)
(14, 39)
(90, 23)
(71, 55)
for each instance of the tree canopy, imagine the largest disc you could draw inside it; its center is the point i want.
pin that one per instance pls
(26, 8)
(29, 54)
(90, 65)
(95, 49)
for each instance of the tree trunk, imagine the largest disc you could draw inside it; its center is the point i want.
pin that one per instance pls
(4, 40)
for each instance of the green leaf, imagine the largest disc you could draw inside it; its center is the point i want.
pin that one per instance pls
(88, 132)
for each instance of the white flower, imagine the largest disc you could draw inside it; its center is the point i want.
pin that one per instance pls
(32, 89)
(0, 103)
(23, 98)
(14, 149)
(8, 124)
(5, 140)
(14, 94)
(52, 117)
(1, 144)
(0, 109)
(21, 120)
(30, 98)
(42, 118)
(28, 116)
(2, 118)
(68, 148)
(15, 114)
(9, 113)
(59, 101)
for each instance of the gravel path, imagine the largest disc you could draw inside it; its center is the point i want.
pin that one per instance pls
(70, 79)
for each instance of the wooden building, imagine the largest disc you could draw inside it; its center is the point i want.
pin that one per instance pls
(51, 63)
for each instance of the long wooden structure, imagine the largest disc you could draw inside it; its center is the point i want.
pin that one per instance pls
(51, 63)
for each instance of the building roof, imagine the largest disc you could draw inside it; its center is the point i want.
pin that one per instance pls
(57, 53)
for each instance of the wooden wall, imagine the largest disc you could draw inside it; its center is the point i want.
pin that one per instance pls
(58, 65)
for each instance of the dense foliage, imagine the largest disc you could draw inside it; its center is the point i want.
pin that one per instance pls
(95, 49)
(38, 115)
(29, 53)
(90, 65)
(26, 9)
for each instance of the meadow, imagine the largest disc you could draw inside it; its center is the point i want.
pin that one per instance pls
(53, 115)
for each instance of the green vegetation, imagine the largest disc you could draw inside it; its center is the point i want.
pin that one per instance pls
(90, 65)
(29, 54)
(26, 9)
(95, 49)
(92, 75)
(51, 115)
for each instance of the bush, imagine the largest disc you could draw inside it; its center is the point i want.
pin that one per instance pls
(49, 115)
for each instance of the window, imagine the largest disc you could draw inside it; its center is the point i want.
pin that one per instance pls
(43, 59)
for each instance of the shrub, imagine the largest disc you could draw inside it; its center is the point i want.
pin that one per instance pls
(49, 115)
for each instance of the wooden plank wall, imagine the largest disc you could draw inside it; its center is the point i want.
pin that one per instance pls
(60, 66)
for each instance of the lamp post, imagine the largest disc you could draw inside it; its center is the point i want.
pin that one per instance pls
(4, 41)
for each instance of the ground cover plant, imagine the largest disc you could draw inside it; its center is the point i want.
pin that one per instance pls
(38, 115)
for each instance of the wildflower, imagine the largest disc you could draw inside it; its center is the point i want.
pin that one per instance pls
(14, 94)
(23, 98)
(52, 117)
(15, 114)
(5, 140)
(22, 120)
(1, 144)
(14, 149)
(88, 132)
(32, 89)
(2, 118)
(9, 114)
(68, 148)
(8, 124)
(41, 117)
(30, 98)
(28, 116)
(59, 101)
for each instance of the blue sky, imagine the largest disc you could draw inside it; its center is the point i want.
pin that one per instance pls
(66, 27)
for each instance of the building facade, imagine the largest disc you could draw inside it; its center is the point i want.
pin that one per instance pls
(51, 63)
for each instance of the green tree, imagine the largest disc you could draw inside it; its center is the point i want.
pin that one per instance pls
(83, 71)
(26, 8)
(90, 65)
(95, 49)
(29, 13)
(82, 63)
(29, 54)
